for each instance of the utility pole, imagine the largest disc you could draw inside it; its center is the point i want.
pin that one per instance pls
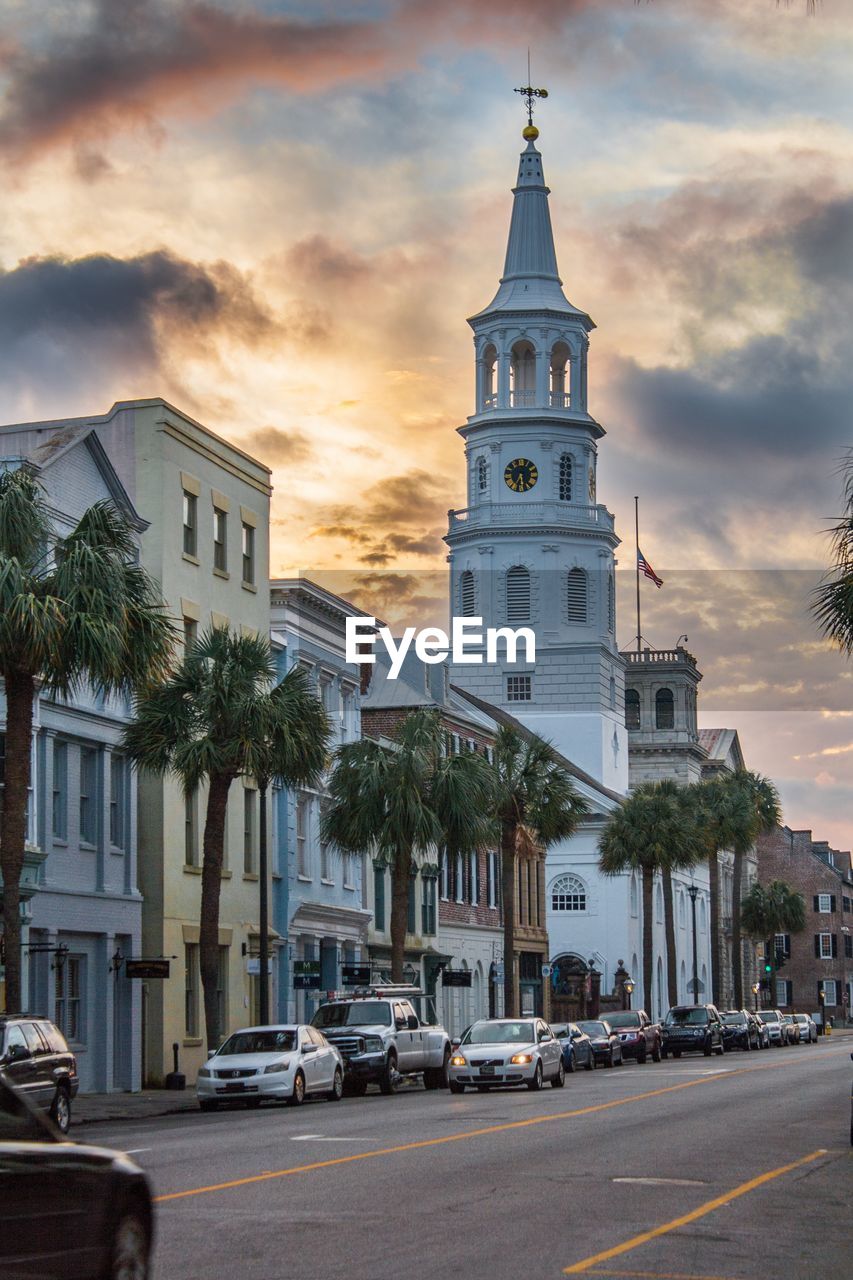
(693, 890)
(263, 859)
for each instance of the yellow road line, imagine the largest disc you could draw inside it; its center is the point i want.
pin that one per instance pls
(708, 1207)
(451, 1137)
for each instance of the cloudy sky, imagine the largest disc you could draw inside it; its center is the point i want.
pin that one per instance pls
(278, 213)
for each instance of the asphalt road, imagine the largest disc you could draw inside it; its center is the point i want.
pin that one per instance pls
(725, 1169)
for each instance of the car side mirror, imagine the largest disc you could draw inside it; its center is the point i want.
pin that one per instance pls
(18, 1053)
(211, 1053)
(575, 1035)
(309, 1048)
(412, 1023)
(455, 1043)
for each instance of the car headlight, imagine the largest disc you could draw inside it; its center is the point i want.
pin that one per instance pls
(520, 1059)
(205, 1072)
(372, 1044)
(277, 1066)
(458, 1061)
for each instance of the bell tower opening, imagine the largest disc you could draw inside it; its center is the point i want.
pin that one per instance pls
(522, 375)
(561, 380)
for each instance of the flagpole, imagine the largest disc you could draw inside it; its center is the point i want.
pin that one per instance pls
(637, 564)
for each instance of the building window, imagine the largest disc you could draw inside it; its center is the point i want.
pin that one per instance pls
(848, 946)
(118, 802)
(565, 486)
(346, 868)
(379, 897)
(410, 905)
(302, 867)
(826, 946)
(325, 860)
(491, 880)
(191, 829)
(632, 708)
(190, 524)
(69, 987)
(60, 790)
(190, 634)
(222, 989)
(518, 594)
(519, 688)
(248, 554)
(191, 984)
(467, 594)
(782, 993)
(782, 944)
(664, 709)
(249, 830)
(220, 534)
(460, 878)
(576, 595)
(568, 893)
(824, 902)
(88, 795)
(474, 878)
(830, 996)
(428, 906)
(682, 920)
(445, 876)
(482, 475)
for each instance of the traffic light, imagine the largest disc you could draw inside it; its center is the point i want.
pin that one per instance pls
(768, 967)
(780, 960)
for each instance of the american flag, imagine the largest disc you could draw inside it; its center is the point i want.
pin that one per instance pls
(646, 568)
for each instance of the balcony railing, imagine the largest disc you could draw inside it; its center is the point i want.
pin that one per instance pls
(527, 400)
(560, 399)
(522, 399)
(490, 402)
(490, 515)
(648, 657)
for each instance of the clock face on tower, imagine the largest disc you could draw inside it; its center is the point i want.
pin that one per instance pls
(520, 475)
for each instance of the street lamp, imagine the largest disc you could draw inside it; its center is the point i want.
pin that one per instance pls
(628, 987)
(693, 891)
(756, 987)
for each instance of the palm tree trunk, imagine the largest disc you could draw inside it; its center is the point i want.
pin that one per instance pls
(508, 847)
(669, 926)
(401, 871)
(737, 946)
(648, 946)
(211, 885)
(714, 889)
(20, 690)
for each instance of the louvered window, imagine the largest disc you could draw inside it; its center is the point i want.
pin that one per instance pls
(518, 594)
(467, 594)
(611, 605)
(566, 477)
(576, 596)
(482, 475)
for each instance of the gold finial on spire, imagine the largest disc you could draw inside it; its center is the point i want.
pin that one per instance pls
(530, 133)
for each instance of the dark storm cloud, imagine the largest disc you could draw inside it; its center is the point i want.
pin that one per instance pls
(67, 319)
(279, 448)
(401, 515)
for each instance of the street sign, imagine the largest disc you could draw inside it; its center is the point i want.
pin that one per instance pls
(697, 985)
(499, 973)
(306, 974)
(546, 971)
(253, 966)
(355, 975)
(146, 968)
(456, 977)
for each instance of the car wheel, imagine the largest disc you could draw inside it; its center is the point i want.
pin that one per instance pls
(663, 1054)
(130, 1248)
(609, 1062)
(642, 1054)
(298, 1096)
(208, 1104)
(560, 1078)
(337, 1090)
(437, 1077)
(535, 1084)
(456, 1087)
(570, 1065)
(388, 1082)
(706, 1048)
(676, 1053)
(590, 1063)
(60, 1109)
(721, 1049)
(620, 1061)
(656, 1052)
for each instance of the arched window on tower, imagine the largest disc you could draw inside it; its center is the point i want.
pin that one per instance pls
(467, 594)
(518, 594)
(482, 475)
(568, 893)
(561, 376)
(490, 378)
(522, 375)
(632, 708)
(576, 595)
(664, 709)
(565, 484)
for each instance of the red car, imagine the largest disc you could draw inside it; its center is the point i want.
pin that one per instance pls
(638, 1035)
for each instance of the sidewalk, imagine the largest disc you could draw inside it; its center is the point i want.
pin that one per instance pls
(92, 1108)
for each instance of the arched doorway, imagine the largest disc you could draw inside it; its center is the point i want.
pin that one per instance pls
(570, 988)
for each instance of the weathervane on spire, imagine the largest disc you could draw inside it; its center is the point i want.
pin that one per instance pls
(530, 132)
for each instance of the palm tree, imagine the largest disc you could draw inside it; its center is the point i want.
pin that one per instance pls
(218, 717)
(655, 828)
(403, 800)
(726, 814)
(768, 910)
(536, 804)
(833, 599)
(681, 858)
(85, 612)
(766, 816)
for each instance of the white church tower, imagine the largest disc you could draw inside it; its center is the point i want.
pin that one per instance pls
(533, 547)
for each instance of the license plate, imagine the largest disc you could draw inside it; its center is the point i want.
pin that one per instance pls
(487, 1071)
(234, 1088)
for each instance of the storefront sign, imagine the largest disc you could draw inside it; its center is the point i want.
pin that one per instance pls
(306, 975)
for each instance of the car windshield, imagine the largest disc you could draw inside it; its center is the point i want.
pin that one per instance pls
(361, 1013)
(623, 1019)
(687, 1017)
(500, 1033)
(562, 1031)
(594, 1028)
(801, 1017)
(259, 1042)
(768, 1017)
(734, 1019)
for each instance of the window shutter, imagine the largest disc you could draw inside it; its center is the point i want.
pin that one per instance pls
(816, 903)
(576, 596)
(467, 592)
(518, 594)
(817, 945)
(834, 945)
(832, 902)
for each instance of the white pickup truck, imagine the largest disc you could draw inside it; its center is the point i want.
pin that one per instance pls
(381, 1039)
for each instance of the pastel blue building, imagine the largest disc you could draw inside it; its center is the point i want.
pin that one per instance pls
(82, 910)
(319, 909)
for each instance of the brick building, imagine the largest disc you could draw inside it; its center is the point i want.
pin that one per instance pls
(822, 955)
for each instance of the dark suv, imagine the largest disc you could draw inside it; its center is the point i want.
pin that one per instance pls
(692, 1028)
(36, 1060)
(640, 1036)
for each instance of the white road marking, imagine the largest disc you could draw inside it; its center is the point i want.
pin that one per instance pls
(135, 1151)
(319, 1137)
(663, 1182)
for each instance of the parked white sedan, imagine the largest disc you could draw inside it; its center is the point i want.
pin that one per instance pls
(507, 1051)
(281, 1064)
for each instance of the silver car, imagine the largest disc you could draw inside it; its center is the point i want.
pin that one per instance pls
(772, 1020)
(279, 1064)
(808, 1028)
(513, 1051)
